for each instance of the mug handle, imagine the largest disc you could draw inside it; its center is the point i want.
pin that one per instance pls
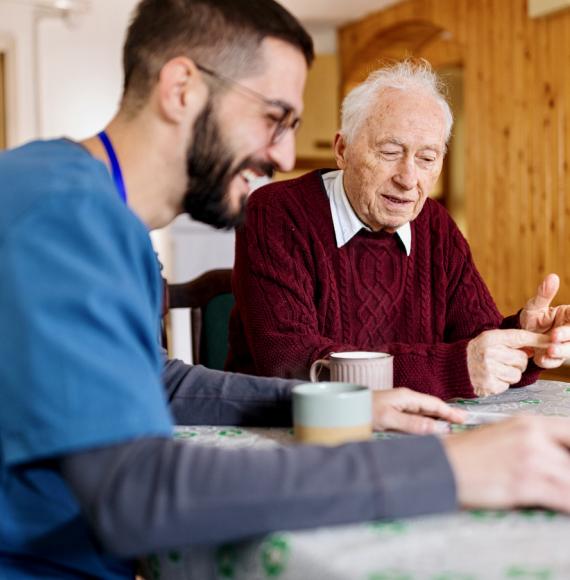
(316, 369)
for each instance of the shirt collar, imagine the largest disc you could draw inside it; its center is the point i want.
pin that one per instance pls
(345, 221)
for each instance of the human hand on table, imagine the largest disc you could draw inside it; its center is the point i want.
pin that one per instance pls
(402, 409)
(521, 462)
(496, 359)
(539, 316)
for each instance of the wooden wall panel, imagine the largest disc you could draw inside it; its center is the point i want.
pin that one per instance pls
(2, 104)
(517, 104)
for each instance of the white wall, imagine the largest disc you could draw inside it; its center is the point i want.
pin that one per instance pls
(63, 78)
(80, 69)
(17, 42)
(194, 249)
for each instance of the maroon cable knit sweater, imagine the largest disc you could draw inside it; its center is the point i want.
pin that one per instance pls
(299, 297)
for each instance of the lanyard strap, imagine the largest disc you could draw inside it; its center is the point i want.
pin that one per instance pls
(115, 166)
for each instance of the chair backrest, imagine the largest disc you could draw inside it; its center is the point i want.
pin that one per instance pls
(210, 300)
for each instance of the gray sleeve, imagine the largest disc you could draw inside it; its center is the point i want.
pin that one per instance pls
(156, 494)
(201, 396)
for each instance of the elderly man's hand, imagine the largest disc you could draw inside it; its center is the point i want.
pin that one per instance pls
(539, 316)
(405, 410)
(522, 462)
(496, 359)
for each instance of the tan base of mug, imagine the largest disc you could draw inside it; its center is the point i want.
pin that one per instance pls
(332, 435)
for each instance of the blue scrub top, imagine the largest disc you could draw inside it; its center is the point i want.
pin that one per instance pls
(80, 298)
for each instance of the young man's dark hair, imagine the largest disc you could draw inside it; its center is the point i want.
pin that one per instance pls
(223, 35)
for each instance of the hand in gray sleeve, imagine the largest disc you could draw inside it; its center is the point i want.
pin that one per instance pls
(201, 396)
(156, 494)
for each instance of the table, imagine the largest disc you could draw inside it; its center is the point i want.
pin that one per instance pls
(470, 545)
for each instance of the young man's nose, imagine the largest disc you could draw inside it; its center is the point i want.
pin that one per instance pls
(282, 153)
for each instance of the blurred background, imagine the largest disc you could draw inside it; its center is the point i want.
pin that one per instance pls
(506, 179)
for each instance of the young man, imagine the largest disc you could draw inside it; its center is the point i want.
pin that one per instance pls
(90, 477)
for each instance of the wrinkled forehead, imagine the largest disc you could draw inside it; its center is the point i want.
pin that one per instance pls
(414, 118)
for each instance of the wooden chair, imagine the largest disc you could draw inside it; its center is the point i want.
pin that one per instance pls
(210, 300)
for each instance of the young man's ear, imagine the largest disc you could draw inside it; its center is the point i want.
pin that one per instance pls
(181, 90)
(339, 150)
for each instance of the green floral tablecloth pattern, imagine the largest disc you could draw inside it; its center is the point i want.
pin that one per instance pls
(473, 545)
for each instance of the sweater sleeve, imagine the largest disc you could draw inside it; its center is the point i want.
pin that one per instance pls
(441, 369)
(471, 308)
(201, 396)
(154, 494)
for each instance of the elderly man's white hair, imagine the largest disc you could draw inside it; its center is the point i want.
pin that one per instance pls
(410, 76)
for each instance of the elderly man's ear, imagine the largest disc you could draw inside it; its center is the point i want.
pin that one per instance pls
(340, 150)
(181, 92)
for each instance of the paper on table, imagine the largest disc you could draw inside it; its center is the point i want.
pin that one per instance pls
(482, 417)
(473, 419)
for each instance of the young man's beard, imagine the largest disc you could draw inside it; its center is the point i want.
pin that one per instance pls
(209, 173)
(210, 169)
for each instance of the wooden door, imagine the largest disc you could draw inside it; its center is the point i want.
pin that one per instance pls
(2, 103)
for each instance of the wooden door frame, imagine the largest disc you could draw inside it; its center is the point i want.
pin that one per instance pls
(8, 50)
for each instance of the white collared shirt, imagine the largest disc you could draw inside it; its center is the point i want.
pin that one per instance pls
(345, 221)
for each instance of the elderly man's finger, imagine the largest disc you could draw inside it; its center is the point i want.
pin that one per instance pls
(546, 362)
(561, 333)
(509, 374)
(545, 293)
(564, 314)
(561, 315)
(491, 387)
(518, 338)
(517, 358)
(560, 350)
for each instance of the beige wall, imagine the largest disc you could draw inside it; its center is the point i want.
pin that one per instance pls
(2, 105)
(320, 117)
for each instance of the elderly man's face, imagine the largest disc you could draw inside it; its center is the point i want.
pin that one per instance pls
(394, 160)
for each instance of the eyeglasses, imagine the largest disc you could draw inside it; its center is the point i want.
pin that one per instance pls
(284, 121)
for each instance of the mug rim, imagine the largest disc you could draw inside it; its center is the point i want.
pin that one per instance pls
(340, 389)
(366, 355)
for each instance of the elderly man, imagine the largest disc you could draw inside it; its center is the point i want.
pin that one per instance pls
(362, 259)
(89, 474)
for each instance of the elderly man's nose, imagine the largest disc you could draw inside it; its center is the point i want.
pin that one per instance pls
(406, 175)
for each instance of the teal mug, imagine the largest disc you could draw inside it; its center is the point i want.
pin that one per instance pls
(330, 413)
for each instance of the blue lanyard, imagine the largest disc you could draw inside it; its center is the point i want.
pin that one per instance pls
(115, 167)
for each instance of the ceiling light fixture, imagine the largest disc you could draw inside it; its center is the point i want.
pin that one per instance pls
(59, 6)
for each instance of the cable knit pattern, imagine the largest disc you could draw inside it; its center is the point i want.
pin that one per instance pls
(299, 297)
